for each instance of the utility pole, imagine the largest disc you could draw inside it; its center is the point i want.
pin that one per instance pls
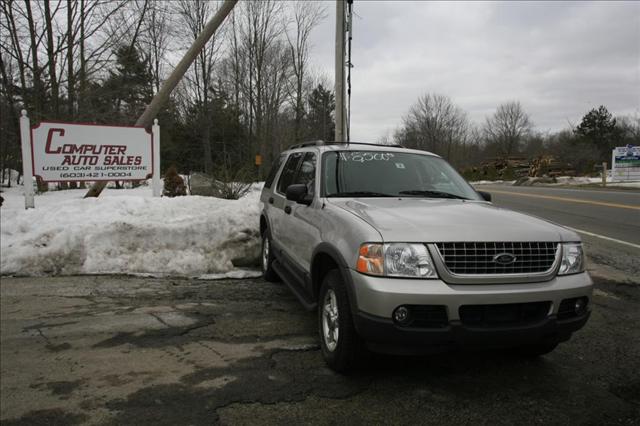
(158, 101)
(339, 76)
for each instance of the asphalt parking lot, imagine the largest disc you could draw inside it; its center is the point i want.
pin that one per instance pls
(128, 350)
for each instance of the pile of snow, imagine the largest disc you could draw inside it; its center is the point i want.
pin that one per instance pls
(576, 180)
(128, 231)
(492, 182)
(558, 181)
(624, 184)
(584, 180)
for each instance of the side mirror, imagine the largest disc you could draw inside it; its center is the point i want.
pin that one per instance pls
(485, 195)
(298, 193)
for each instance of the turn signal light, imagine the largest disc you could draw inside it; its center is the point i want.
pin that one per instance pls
(371, 259)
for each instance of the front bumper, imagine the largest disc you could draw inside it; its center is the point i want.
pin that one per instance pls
(377, 298)
(382, 335)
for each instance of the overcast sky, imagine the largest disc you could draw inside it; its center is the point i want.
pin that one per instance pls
(558, 59)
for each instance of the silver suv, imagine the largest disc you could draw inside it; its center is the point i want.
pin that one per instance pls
(399, 254)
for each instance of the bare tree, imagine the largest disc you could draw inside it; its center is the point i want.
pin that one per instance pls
(71, 75)
(156, 36)
(434, 123)
(11, 48)
(508, 127)
(259, 33)
(306, 16)
(35, 65)
(194, 16)
(52, 52)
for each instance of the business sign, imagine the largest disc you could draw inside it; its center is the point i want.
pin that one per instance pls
(625, 163)
(62, 152)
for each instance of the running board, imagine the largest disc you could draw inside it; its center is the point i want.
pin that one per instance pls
(289, 279)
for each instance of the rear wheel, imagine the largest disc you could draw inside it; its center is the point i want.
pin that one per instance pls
(340, 344)
(267, 259)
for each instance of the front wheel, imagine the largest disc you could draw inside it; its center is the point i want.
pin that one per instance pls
(340, 344)
(267, 259)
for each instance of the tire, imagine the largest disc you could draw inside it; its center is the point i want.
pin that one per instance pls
(342, 350)
(266, 259)
(536, 350)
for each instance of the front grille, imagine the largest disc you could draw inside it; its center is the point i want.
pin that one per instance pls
(506, 315)
(479, 258)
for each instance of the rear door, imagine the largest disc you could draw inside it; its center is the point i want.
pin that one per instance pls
(266, 196)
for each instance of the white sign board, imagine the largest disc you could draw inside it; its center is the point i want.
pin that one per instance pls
(62, 152)
(625, 163)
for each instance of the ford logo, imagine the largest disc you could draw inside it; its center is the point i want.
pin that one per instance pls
(504, 258)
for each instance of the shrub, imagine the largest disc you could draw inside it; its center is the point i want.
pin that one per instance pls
(230, 183)
(41, 185)
(173, 183)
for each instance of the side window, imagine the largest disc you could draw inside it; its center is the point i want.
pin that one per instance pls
(274, 171)
(307, 172)
(289, 172)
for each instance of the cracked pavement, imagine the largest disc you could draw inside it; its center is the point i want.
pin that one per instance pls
(129, 350)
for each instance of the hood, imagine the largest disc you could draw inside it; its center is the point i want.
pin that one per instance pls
(447, 220)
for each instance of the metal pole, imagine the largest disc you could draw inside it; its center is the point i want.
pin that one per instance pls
(155, 181)
(339, 72)
(604, 173)
(613, 165)
(27, 166)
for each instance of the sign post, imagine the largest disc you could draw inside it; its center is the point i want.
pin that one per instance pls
(155, 180)
(27, 171)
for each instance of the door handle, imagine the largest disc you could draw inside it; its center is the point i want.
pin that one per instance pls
(270, 200)
(287, 209)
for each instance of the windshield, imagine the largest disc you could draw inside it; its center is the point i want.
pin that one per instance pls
(391, 174)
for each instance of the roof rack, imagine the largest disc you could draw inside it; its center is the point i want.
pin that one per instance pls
(308, 143)
(321, 142)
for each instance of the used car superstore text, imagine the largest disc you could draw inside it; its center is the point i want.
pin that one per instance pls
(95, 172)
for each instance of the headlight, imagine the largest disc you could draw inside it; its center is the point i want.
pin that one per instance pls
(572, 259)
(396, 260)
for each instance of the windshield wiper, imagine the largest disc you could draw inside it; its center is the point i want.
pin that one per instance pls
(360, 194)
(432, 194)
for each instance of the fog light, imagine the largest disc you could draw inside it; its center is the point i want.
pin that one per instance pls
(580, 305)
(401, 315)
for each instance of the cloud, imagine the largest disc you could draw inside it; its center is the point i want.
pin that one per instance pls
(559, 59)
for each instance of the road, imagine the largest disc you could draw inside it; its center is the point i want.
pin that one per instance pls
(609, 219)
(115, 350)
(112, 350)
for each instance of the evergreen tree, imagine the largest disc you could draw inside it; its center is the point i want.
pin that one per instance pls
(226, 130)
(320, 120)
(598, 128)
(128, 88)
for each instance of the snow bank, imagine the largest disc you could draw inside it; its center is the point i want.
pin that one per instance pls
(583, 180)
(561, 181)
(128, 231)
(492, 182)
